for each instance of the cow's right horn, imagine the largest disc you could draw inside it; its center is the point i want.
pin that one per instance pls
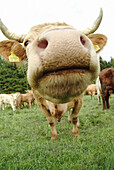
(9, 34)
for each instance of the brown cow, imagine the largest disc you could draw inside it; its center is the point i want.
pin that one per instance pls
(27, 98)
(33, 99)
(91, 90)
(62, 61)
(107, 85)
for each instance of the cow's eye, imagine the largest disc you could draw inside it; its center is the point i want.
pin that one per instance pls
(26, 43)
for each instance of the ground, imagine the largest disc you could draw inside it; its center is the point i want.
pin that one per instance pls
(25, 139)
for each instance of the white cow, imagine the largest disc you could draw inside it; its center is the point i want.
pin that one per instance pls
(98, 86)
(6, 99)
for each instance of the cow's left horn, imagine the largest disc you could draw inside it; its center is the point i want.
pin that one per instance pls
(9, 34)
(95, 25)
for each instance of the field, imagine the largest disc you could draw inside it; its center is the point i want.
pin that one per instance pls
(25, 140)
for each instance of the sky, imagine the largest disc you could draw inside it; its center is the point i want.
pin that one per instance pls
(20, 15)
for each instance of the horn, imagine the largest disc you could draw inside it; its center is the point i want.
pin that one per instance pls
(9, 34)
(95, 25)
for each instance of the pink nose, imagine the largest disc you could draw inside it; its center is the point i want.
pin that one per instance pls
(82, 39)
(68, 47)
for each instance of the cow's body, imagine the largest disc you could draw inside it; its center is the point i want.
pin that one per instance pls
(107, 85)
(62, 62)
(6, 99)
(98, 86)
(91, 90)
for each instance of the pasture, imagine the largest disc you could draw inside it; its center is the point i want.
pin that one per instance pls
(25, 140)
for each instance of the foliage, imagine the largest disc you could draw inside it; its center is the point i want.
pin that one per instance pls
(12, 79)
(106, 64)
(25, 140)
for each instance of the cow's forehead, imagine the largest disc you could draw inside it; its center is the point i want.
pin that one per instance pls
(37, 30)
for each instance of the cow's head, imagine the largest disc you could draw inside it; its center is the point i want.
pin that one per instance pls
(62, 61)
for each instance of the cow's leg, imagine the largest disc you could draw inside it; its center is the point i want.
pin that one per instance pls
(29, 104)
(51, 120)
(33, 102)
(22, 105)
(107, 100)
(98, 96)
(18, 106)
(99, 100)
(69, 116)
(74, 116)
(93, 95)
(3, 106)
(13, 107)
(103, 99)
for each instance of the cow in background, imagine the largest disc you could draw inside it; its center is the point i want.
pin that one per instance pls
(27, 98)
(6, 99)
(107, 85)
(91, 90)
(98, 86)
(33, 99)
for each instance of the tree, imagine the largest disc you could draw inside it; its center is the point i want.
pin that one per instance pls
(12, 79)
(106, 64)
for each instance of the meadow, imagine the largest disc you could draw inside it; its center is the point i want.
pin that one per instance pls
(25, 140)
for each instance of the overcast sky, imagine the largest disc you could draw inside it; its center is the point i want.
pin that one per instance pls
(20, 15)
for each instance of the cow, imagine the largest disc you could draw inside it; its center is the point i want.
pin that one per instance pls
(107, 85)
(6, 99)
(18, 102)
(33, 99)
(28, 98)
(62, 62)
(98, 86)
(91, 90)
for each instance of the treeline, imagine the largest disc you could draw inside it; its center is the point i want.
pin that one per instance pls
(14, 79)
(106, 64)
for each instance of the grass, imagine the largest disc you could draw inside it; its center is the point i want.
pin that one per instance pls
(25, 140)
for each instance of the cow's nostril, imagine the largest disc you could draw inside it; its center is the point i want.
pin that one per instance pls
(42, 43)
(82, 40)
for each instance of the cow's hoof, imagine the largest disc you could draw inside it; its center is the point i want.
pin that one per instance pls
(54, 137)
(75, 134)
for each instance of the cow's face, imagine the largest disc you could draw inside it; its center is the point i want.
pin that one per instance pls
(61, 61)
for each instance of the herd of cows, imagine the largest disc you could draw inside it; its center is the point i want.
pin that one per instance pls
(62, 62)
(17, 100)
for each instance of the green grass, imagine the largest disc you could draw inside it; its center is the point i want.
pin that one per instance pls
(25, 140)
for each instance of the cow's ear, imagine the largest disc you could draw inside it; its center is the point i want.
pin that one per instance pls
(98, 40)
(12, 51)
